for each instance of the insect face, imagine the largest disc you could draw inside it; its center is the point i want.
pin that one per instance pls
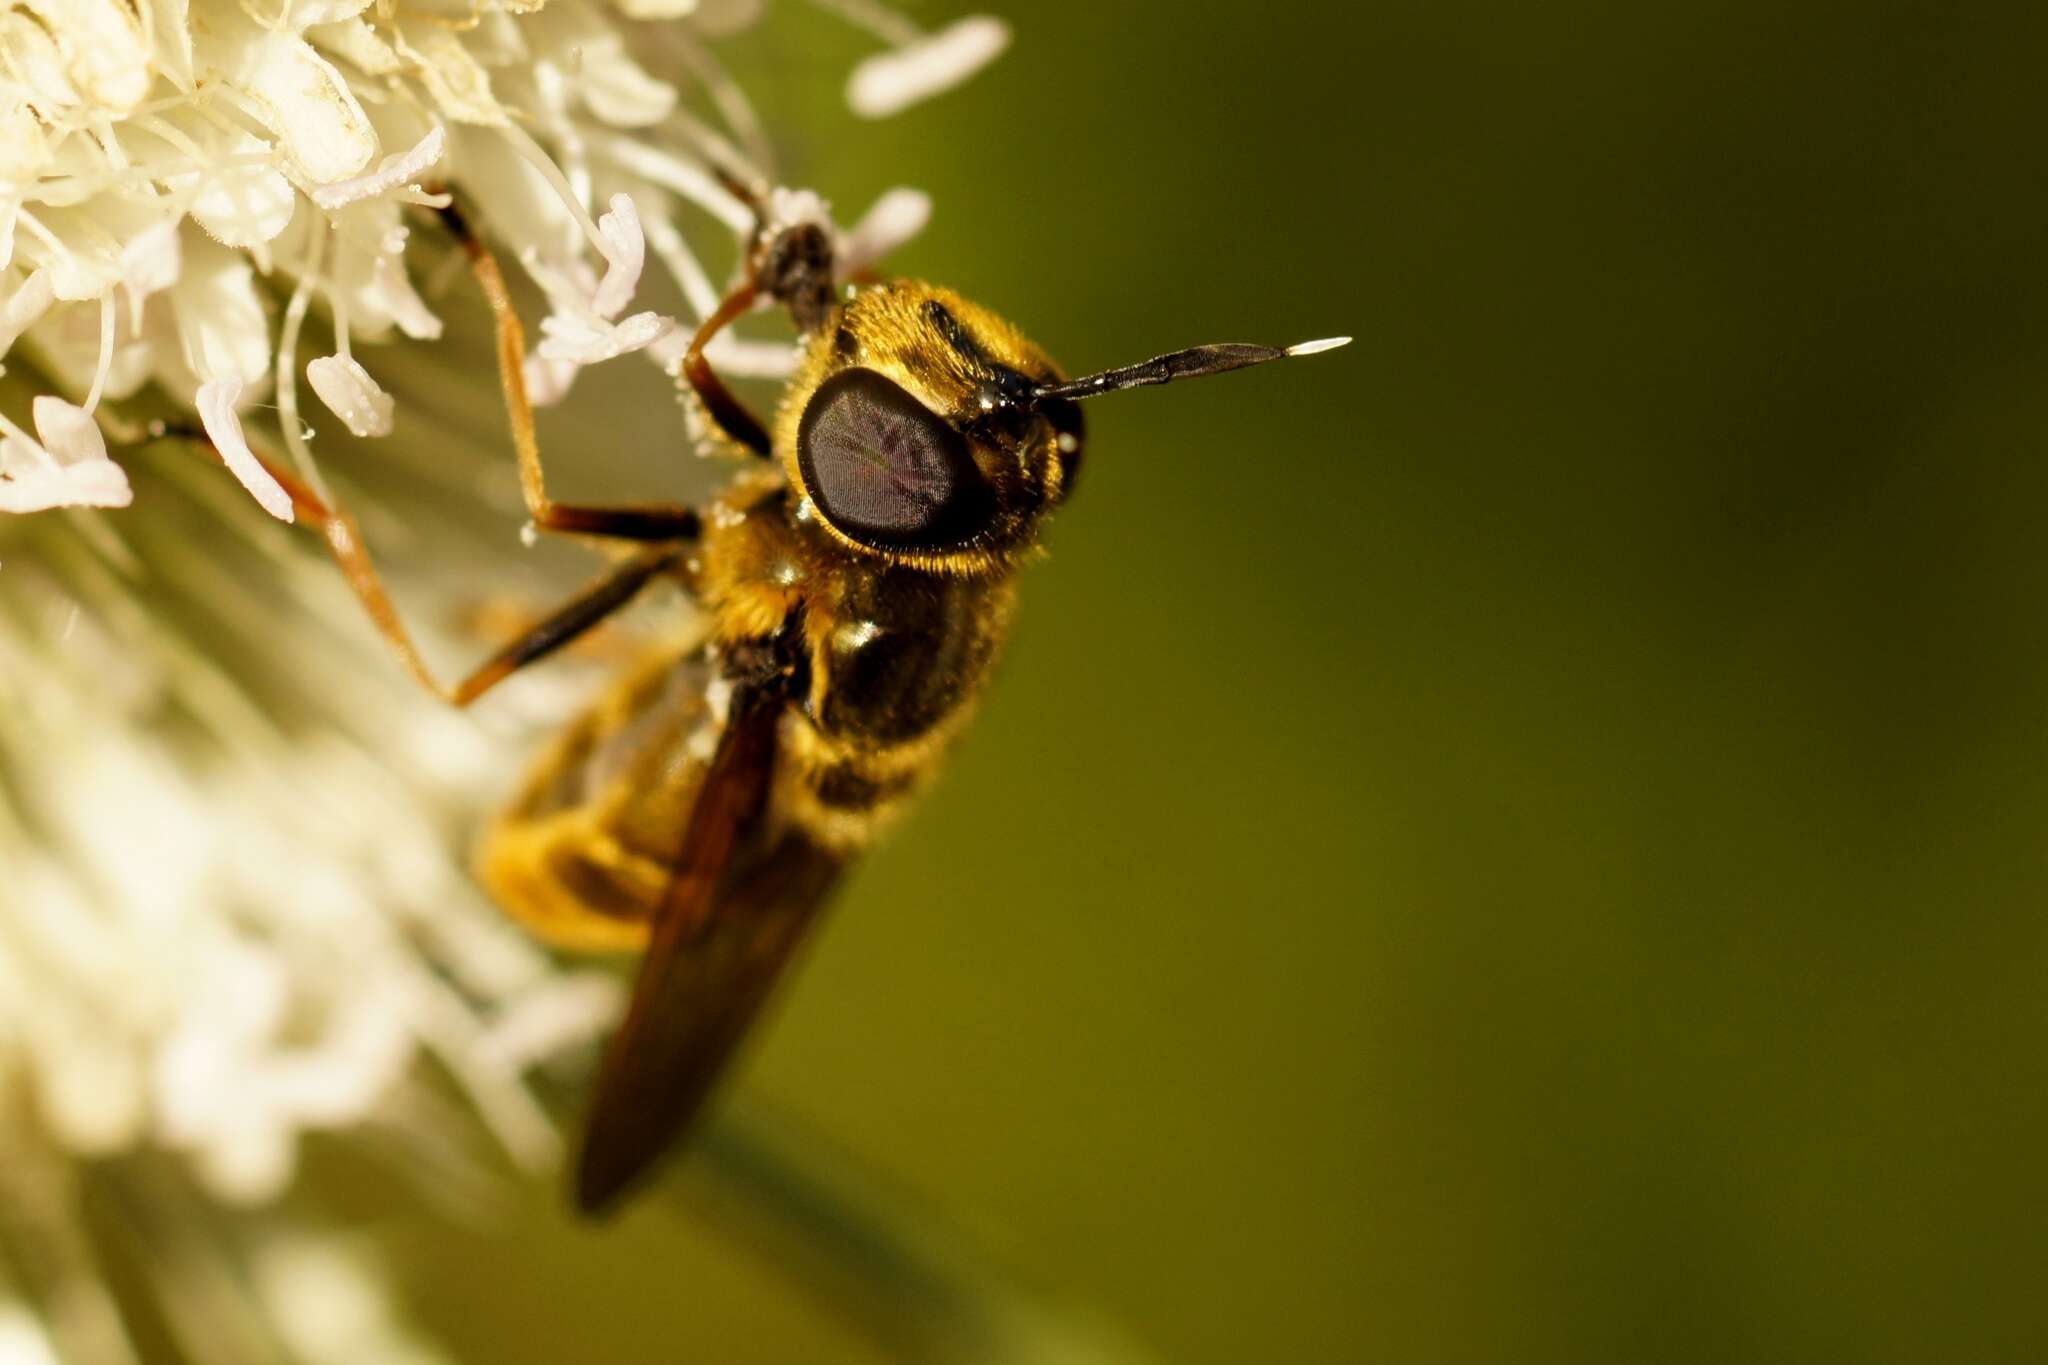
(915, 430)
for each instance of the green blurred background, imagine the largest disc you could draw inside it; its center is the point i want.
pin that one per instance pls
(1519, 840)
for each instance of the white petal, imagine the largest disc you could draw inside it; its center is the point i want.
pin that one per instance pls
(242, 205)
(173, 41)
(350, 394)
(894, 219)
(626, 253)
(67, 431)
(100, 483)
(641, 329)
(74, 472)
(216, 405)
(83, 265)
(150, 261)
(585, 341)
(35, 65)
(24, 306)
(893, 81)
(302, 14)
(356, 43)
(451, 73)
(40, 490)
(222, 330)
(393, 292)
(548, 381)
(323, 128)
(567, 281)
(400, 169)
(109, 60)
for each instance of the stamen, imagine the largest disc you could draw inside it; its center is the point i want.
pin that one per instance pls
(106, 363)
(337, 306)
(65, 258)
(552, 117)
(890, 221)
(726, 97)
(110, 146)
(881, 21)
(673, 173)
(924, 66)
(534, 156)
(287, 376)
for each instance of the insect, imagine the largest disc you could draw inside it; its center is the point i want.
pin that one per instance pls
(857, 580)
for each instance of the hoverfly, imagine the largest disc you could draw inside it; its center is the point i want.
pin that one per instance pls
(857, 580)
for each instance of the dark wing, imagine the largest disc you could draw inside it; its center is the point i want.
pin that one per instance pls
(732, 916)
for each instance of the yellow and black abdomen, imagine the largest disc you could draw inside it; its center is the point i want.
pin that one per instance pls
(583, 852)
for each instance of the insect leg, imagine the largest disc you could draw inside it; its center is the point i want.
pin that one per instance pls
(569, 621)
(732, 416)
(800, 279)
(560, 627)
(635, 521)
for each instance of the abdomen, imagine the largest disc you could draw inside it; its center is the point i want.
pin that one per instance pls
(582, 854)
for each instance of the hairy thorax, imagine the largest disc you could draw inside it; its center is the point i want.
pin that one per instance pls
(895, 655)
(892, 659)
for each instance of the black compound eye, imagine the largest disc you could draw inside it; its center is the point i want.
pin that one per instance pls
(886, 470)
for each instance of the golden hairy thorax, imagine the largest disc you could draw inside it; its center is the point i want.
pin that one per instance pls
(896, 657)
(896, 647)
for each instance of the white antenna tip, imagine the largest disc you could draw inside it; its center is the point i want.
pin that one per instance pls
(1311, 347)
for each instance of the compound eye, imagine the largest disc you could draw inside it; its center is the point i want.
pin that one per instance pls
(886, 470)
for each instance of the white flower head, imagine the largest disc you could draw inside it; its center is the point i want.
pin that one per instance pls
(222, 929)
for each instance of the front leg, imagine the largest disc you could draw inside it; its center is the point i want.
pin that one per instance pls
(792, 263)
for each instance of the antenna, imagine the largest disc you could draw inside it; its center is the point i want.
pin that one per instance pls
(1189, 364)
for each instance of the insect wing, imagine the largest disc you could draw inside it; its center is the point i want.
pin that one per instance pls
(733, 915)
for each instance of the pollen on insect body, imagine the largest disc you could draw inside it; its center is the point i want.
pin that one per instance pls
(856, 635)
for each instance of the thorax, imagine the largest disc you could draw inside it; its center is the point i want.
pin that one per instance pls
(896, 654)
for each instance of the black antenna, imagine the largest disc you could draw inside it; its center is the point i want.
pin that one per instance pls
(1189, 364)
